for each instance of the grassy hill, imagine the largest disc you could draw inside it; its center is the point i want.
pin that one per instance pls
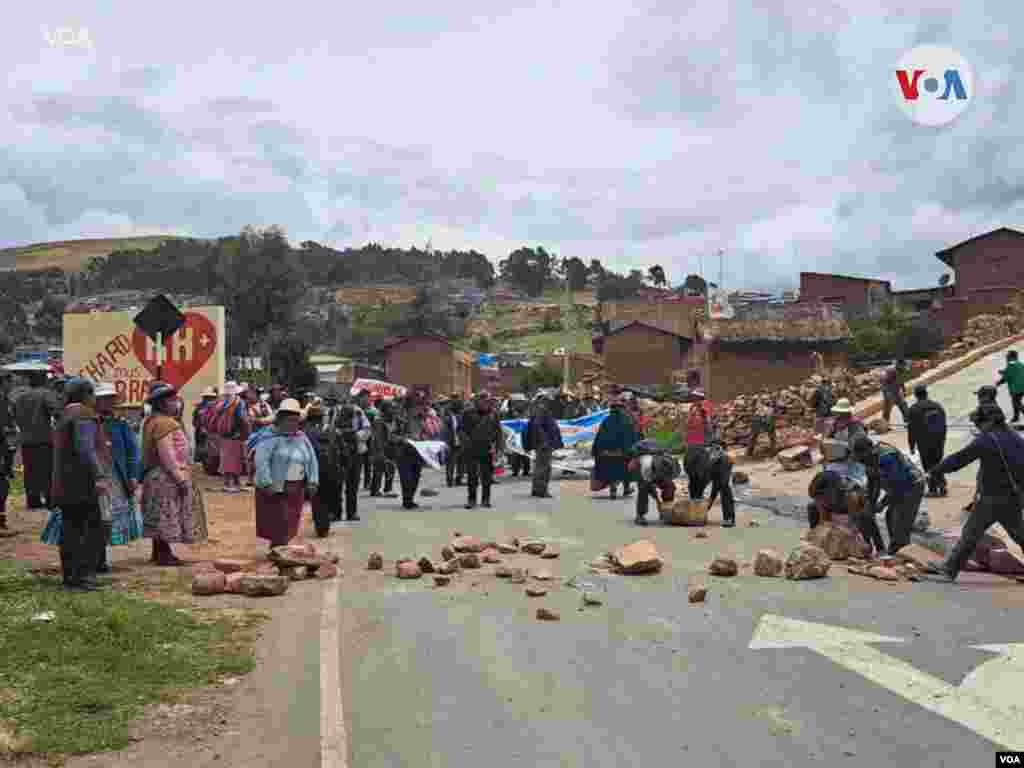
(71, 255)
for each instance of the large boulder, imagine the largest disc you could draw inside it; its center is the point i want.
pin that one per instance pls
(723, 566)
(838, 542)
(796, 459)
(636, 558)
(227, 565)
(408, 569)
(295, 555)
(209, 583)
(768, 563)
(467, 544)
(807, 562)
(533, 547)
(254, 585)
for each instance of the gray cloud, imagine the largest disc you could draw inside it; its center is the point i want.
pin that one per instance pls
(229, 106)
(144, 78)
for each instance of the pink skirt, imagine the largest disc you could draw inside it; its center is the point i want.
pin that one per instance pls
(278, 518)
(231, 457)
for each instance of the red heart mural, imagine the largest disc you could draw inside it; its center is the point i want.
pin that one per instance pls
(185, 353)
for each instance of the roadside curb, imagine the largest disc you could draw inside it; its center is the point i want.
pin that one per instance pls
(874, 404)
(333, 738)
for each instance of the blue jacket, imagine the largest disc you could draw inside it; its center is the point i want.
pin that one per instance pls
(124, 449)
(275, 452)
(542, 425)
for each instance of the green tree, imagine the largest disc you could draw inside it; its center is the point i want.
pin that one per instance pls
(695, 285)
(531, 269)
(49, 321)
(575, 273)
(289, 362)
(656, 275)
(540, 377)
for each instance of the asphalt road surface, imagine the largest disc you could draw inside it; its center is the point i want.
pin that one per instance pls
(466, 675)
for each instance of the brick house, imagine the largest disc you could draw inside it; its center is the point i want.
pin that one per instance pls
(642, 354)
(988, 275)
(431, 361)
(857, 297)
(678, 314)
(744, 357)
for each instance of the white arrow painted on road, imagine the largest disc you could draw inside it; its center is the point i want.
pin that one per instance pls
(985, 702)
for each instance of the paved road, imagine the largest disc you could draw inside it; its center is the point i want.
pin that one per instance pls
(466, 676)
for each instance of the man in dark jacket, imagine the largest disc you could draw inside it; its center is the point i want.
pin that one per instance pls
(518, 408)
(79, 479)
(327, 502)
(831, 495)
(890, 471)
(383, 467)
(482, 438)
(1001, 451)
(926, 432)
(8, 445)
(821, 402)
(35, 411)
(450, 435)
(543, 437)
(655, 479)
(892, 390)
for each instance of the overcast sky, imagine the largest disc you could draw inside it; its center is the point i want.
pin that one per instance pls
(636, 133)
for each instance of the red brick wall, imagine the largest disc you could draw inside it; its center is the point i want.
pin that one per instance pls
(638, 355)
(991, 301)
(428, 362)
(852, 294)
(752, 367)
(993, 261)
(951, 317)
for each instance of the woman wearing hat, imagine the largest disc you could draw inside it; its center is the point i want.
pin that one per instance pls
(615, 438)
(231, 416)
(286, 474)
(167, 492)
(125, 524)
(845, 426)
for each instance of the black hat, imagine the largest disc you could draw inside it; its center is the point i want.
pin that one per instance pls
(921, 391)
(987, 392)
(863, 446)
(158, 391)
(988, 413)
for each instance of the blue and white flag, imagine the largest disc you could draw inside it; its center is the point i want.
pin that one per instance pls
(581, 430)
(487, 361)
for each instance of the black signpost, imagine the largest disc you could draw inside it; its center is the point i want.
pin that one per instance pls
(158, 320)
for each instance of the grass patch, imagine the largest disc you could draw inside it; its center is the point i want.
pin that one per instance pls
(74, 685)
(542, 343)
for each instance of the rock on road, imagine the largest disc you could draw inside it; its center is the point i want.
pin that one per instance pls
(465, 675)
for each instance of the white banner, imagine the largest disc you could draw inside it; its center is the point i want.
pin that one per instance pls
(378, 389)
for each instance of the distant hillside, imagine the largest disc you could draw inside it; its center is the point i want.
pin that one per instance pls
(72, 255)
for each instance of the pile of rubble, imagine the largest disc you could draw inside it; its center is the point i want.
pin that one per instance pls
(267, 578)
(982, 330)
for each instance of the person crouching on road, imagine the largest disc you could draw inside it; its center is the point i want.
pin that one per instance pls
(706, 461)
(1001, 451)
(482, 440)
(890, 471)
(543, 437)
(287, 473)
(926, 432)
(655, 474)
(615, 438)
(830, 497)
(326, 503)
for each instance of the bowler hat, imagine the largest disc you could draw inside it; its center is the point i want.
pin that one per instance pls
(158, 391)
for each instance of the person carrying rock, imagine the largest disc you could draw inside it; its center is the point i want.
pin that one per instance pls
(326, 503)
(926, 432)
(543, 437)
(656, 474)
(1001, 452)
(482, 438)
(763, 423)
(706, 460)
(831, 495)
(892, 391)
(821, 403)
(1013, 377)
(890, 471)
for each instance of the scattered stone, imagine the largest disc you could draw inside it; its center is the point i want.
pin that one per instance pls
(407, 569)
(543, 575)
(807, 562)
(519, 578)
(550, 552)
(700, 535)
(533, 547)
(683, 511)
(327, 571)
(230, 566)
(507, 572)
(592, 598)
(837, 541)
(740, 478)
(697, 594)
(467, 544)
(209, 583)
(205, 566)
(919, 556)
(796, 459)
(490, 556)
(753, 524)
(883, 573)
(301, 573)
(425, 565)
(1005, 563)
(447, 553)
(254, 585)
(232, 581)
(857, 570)
(536, 591)
(294, 555)
(442, 581)
(376, 562)
(456, 534)
(546, 614)
(768, 563)
(267, 569)
(469, 560)
(723, 566)
(507, 548)
(448, 568)
(637, 558)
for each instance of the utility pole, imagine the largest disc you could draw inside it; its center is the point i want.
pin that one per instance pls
(565, 361)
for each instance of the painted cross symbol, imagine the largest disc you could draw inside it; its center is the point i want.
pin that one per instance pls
(205, 340)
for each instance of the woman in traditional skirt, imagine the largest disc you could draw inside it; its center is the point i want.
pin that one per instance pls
(167, 490)
(125, 524)
(287, 474)
(615, 439)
